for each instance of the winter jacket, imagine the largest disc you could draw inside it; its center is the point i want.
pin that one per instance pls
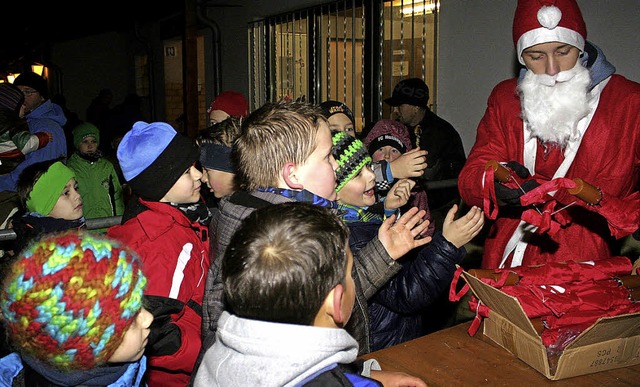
(47, 117)
(395, 311)
(175, 259)
(372, 266)
(32, 226)
(98, 185)
(258, 353)
(445, 157)
(16, 373)
(608, 157)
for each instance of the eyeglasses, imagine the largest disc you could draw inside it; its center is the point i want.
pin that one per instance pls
(29, 92)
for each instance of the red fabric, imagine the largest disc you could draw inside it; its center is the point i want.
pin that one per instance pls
(525, 18)
(608, 158)
(162, 237)
(563, 272)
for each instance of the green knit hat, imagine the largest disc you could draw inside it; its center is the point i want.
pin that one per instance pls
(83, 131)
(351, 156)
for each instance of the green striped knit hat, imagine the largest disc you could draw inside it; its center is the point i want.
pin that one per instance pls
(70, 298)
(351, 156)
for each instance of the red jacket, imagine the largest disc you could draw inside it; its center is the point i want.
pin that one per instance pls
(175, 256)
(608, 157)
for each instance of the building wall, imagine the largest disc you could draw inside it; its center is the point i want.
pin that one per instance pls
(475, 52)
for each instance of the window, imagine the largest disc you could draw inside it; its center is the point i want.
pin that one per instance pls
(351, 51)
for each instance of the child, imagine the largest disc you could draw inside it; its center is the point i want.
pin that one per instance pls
(215, 157)
(49, 195)
(339, 116)
(15, 139)
(166, 224)
(284, 154)
(288, 280)
(395, 311)
(386, 142)
(227, 104)
(97, 179)
(72, 308)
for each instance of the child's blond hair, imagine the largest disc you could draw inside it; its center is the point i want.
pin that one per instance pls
(273, 135)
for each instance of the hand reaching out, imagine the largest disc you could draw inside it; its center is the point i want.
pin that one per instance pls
(409, 164)
(399, 194)
(397, 379)
(400, 237)
(462, 230)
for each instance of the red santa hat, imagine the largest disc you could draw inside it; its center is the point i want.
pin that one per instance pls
(543, 21)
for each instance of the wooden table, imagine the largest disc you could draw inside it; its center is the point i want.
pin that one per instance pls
(451, 357)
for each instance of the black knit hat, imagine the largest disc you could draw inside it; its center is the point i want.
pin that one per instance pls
(153, 156)
(330, 108)
(34, 81)
(11, 98)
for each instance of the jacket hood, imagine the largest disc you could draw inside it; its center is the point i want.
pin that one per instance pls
(259, 353)
(49, 110)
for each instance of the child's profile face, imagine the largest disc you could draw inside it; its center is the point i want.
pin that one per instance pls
(69, 204)
(341, 122)
(88, 145)
(349, 294)
(359, 191)
(387, 153)
(135, 339)
(186, 189)
(317, 174)
(220, 183)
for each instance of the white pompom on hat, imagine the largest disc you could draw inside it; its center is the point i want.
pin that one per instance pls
(543, 21)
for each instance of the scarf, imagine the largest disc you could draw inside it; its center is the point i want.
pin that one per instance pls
(195, 212)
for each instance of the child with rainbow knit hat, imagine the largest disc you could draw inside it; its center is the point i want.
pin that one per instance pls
(49, 195)
(71, 305)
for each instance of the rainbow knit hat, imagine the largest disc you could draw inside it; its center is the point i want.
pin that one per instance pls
(69, 299)
(351, 156)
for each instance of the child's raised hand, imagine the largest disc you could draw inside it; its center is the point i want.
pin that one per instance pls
(397, 379)
(398, 238)
(409, 164)
(399, 194)
(462, 230)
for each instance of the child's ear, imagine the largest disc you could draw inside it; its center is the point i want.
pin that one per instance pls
(290, 178)
(335, 298)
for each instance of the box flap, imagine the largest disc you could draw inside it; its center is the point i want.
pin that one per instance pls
(609, 328)
(500, 302)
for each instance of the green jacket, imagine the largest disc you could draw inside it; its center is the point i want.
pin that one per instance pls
(99, 187)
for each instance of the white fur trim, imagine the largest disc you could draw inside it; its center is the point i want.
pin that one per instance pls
(549, 16)
(544, 35)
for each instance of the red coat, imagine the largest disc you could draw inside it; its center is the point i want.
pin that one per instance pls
(608, 157)
(175, 256)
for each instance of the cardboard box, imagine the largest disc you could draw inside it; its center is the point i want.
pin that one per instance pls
(612, 342)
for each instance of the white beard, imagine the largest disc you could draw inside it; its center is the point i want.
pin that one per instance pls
(552, 106)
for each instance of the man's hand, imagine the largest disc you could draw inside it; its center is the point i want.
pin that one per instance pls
(399, 194)
(397, 379)
(400, 237)
(409, 164)
(511, 196)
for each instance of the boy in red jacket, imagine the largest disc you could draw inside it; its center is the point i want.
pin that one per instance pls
(166, 224)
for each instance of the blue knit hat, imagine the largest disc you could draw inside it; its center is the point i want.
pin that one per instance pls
(153, 156)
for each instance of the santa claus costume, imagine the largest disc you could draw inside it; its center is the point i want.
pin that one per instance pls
(603, 150)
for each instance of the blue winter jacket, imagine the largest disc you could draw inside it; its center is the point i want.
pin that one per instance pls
(126, 375)
(47, 117)
(395, 311)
